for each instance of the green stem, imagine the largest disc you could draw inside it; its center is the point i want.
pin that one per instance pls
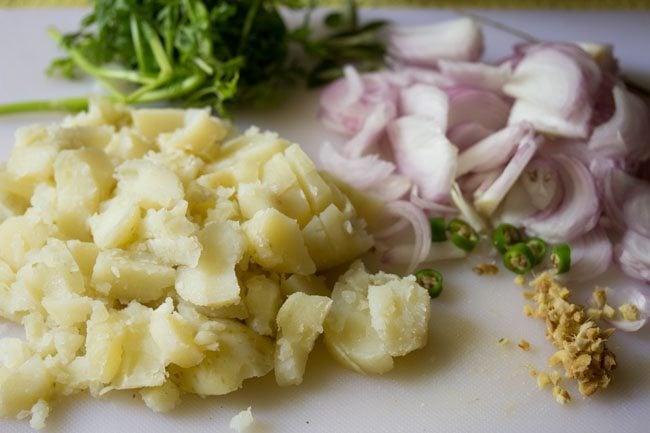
(101, 74)
(172, 91)
(68, 104)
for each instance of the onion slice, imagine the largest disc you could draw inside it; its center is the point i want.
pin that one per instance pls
(425, 100)
(421, 230)
(458, 39)
(494, 150)
(468, 104)
(633, 255)
(487, 202)
(465, 134)
(481, 75)
(591, 255)
(423, 153)
(371, 132)
(579, 210)
(360, 172)
(541, 181)
(626, 133)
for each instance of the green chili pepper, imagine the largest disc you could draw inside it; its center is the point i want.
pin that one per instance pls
(462, 234)
(519, 258)
(431, 280)
(561, 258)
(438, 233)
(505, 236)
(538, 247)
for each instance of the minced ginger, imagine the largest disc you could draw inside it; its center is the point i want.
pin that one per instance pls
(581, 345)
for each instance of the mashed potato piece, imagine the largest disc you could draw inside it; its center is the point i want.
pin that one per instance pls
(158, 250)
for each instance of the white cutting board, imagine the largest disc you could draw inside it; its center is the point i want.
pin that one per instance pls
(463, 381)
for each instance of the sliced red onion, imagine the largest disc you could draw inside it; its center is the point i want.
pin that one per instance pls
(541, 181)
(618, 188)
(468, 104)
(394, 187)
(554, 85)
(603, 55)
(409, 74)
(550, 122)
(421, 230)
(361, 172)
(579, 210)
(500, 147)
(458, 39)
(347, 103)
(466, 134)
(591, 255)
(425, 100)
(430, 205)
(481, 75)
(487, 202)
(479, 181)
(626, 133)
(559, 77)
(515, 208)
(373, 129)
(423, 153)
(439, 251)
(633, 255)
(636, 210)
(466, 210)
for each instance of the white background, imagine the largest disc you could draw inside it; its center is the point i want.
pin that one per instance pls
(463, 381)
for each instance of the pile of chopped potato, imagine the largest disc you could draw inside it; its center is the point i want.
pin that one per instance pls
(158, 250)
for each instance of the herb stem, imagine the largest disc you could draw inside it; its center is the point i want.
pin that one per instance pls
(67, 104)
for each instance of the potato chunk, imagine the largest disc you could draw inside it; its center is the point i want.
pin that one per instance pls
(152, 185)
(375, 317)
(263, 300)
(83, 179)
(22, 386)
(300, 322)
(213, 282)
(151, 122)
(21, 234)
(161, 398)
(200, 134)
(241, 354)
(129, 275)
(275, 242)
(174, 336)
(117, 222)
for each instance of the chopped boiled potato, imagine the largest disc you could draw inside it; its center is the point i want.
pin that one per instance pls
(174, 336)
(151, 122)
(375, 317)
(300, 322)
(83, 178)
(213, 281)
(129, 275)
(142, 362)
(158, 251)
(22, 234)
(117, 222)
(126, 144)
(290, 199)
(151, 184)
(23, 385)
(399, 312)
(275, 242)
(241, 354)
(199, 135)
(263, 300)
(161, 398)
(309, 284)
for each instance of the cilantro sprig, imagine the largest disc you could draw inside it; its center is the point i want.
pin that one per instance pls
(217, 53)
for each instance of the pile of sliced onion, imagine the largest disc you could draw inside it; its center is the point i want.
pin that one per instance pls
(548, 139)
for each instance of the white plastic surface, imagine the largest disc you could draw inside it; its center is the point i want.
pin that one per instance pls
(463, 381)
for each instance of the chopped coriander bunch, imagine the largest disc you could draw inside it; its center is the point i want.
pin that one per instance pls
(206, 52)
